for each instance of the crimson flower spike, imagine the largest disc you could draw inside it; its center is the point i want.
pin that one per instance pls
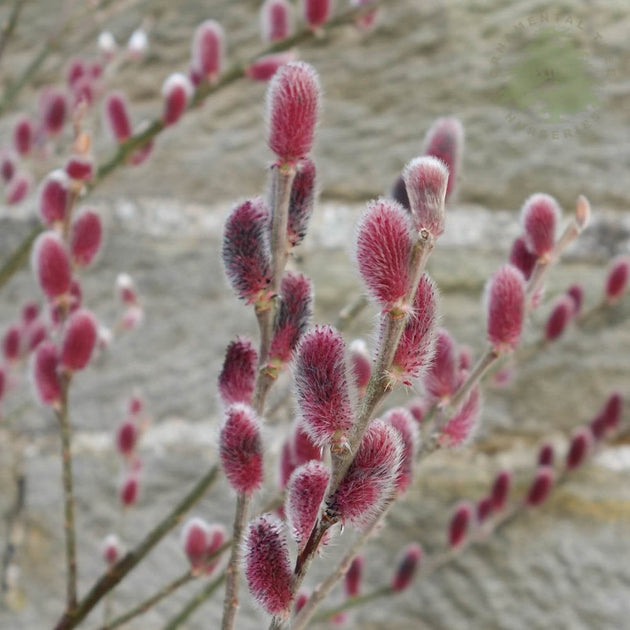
(263, 68)
(267, 566)
(127, 438)
(372, 475)
(546, 455)
(238, 376)
(240, 448)
(407, 428)
(361, 363)
(23, 134)
(292, 109)
(559, 317)
(177, 90)
(462, 426)
(53, 197)
(522, 258)
(11, 342)
(80, 168)
(79, 340)
(305, 491)
(426, 180)
(540, 216)
(8, 162)
(86, 237)
(484, 509)
(53, 108)
(51, 264)
(18, 188)
(505, 303)
(275, 20)
(322, 387)
(416, 346)
(195, 542)
(540, 486)
(384, 243)
(445, 141)
(576, 294)
(293, 316)
(45, 374)
(208, 50)
(354, 574)
(316, 12)
(578, 449)
(460, 522)
(246, 254)
(128, 494)
(301, 201)
(407, 567)
(116, 114)
(442, 377)
(617, 279)
(500, 490)
(609, 417)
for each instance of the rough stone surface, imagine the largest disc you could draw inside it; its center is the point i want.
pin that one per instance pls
(564, 566)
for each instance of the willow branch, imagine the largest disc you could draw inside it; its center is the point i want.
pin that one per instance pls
(194, 603)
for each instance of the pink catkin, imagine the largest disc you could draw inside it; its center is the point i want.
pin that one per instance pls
(301, 201)
(23, 134)
(292, 108)
(53, 197)
(361, 363)
(275, 20)
(445, 141)
(267, 567)
(383, 252)
(371, 477)
(305, 492)
(576, 294)
(129, 490)
(293, 316)
(407, 428)
(117, 116)
(80, 168)
(18, 188)
(500, 490)
(45, 374)
(540, 216)
(462, 426)
(559, 318)
(246, 254)
(126, 438)
(417, 343)
(208, 50)
(540, 486)
(505, 301)
(111, 549)
(79, 340)
(316, 12)
(460, 522)
(442, 377)
(30, 312)
(86, 237)
(522, 258)
(238, 376)
(240, 448)
(546, 455)
(484, 509)
(51, 265)
(407, 567)
(352, 579)
(195, 542)
(321, 382)
(266, 66)
(8, 165)
(53, 110)
(617, 278)
(426, 180)
(578, 448)
(11, 343)
(177, 91)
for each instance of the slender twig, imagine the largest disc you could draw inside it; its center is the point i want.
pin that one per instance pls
(148, 603)
(68, 497)
(9, 26)
(121, 568)
(20, 255)
(194, 603)
(349, 312)
(14, 525)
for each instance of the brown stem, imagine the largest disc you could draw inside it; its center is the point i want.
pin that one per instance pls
(349, 312)
(68, 497)
(194, 603)
(9, 26)
(148, 603)
(119, 570)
